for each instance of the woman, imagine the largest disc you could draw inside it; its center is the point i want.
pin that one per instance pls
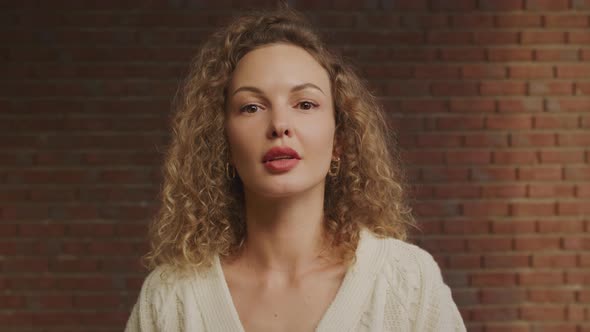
(281, 207)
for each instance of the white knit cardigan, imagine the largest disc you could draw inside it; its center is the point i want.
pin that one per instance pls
(393, 286)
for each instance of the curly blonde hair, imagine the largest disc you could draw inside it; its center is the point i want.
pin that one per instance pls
(202, 212)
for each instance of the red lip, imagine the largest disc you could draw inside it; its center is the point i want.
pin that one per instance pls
(280, 151)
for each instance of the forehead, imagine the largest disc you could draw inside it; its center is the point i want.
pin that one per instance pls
(279, 66)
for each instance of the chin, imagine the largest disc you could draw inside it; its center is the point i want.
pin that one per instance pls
(281, 188)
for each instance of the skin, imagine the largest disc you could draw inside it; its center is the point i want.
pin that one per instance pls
(279, 95)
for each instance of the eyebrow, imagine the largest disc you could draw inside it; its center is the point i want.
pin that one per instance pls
(293, 89)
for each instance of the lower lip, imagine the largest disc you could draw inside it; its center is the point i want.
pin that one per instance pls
(281, 165)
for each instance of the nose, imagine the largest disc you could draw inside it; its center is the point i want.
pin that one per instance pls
(279, 124)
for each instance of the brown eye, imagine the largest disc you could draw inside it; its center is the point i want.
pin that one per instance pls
(250, 108)
(306, 105)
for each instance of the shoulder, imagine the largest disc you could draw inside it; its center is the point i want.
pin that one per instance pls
(409, 255)
(407, 269)
(405, 257)
(160, 306)
(164, 282)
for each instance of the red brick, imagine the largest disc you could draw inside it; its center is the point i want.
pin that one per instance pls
(553, 55)
(576, 243)
(508, 327)
(465, 261)
(530, 72)
(542, 313)
(459, 5)
(578, 37)
(522, 105)
(502, 5)
(540, 173)
(474, 157)
(585, 54)
(579, 71)
(444, 245)
(536, 243)
(574, 139)
(562, 157)
(581, 4)
(547, 4)
(430, 21)
(532, 209)
(555, 261)
(454, 89)
(12, 302)
(562, 121)
(582, 190)
(519, 21)
(462, 122)
(510, 261)
(551, 295)
(493, 174)
(456, 191)
(566, 21)
(485, 208)
(463, 54)
(542, 37)
(550, 190)
(440, 174)
(449, 37)
(472, 21)
(437, 72)
(582, 88)
(502, 279)
(486, 140)
(494, 37)
(466, 226)
(510, 54)
(550, 88)
(479, 71)
(423, 106)
(436, 209)
(540, 278)
(568, 105)
(514, 157)
(55, 301)
(577, 208)
(472, 105)
(489, 244)
(491, 88)
(577, 173)
(579, 277)
(424, 157)
(508, 122)
(502, 296)
(504, 191)
(534, 139)
(486, 314)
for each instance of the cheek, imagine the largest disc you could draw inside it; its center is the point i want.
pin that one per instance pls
(241, 141)
(320, 138)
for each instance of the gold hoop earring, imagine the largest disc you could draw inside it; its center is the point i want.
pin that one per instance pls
(229, 167)
(334, 167)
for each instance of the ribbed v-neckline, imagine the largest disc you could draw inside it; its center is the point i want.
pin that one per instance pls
(220, 314)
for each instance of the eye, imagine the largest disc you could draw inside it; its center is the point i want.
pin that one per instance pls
(307, 105)
(250, 108)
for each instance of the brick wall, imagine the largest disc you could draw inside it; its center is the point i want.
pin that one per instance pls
(491, 98)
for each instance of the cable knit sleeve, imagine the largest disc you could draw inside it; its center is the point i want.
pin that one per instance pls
(439, 311)
(156, 308)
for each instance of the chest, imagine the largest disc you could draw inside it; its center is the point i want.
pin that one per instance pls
(296, 308)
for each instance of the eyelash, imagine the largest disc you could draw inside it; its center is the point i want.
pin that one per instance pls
(313, 105)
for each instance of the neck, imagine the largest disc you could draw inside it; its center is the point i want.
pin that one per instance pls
(285, 234)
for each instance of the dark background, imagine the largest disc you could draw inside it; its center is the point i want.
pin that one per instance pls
(491, 99)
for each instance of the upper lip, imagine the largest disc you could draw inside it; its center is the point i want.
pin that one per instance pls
(280, 151)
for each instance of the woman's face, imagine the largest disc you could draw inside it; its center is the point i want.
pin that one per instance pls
(280, 96)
